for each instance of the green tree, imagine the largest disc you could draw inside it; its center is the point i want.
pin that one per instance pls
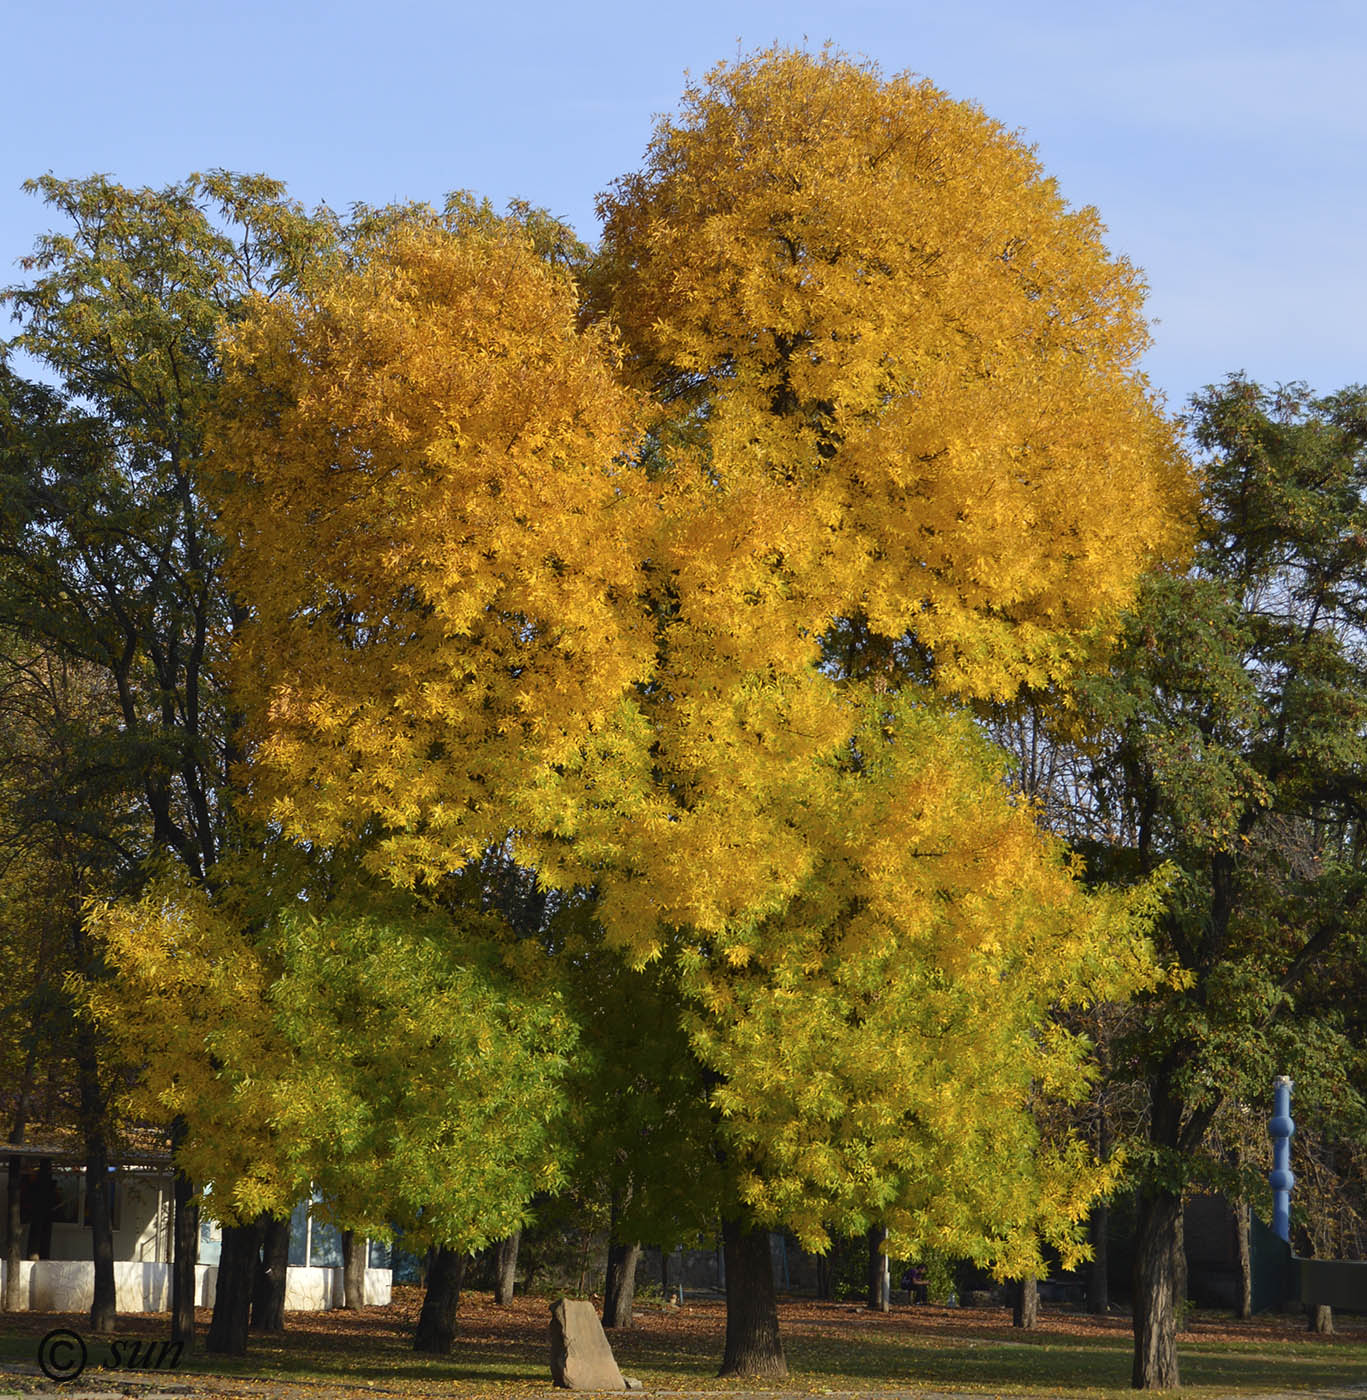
(111, 558)
(109, 561)
(339, 1038)
(1228, 741)
(638, 1100)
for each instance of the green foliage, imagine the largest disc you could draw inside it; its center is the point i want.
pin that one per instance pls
(637, 1098)
(425, 1086)
(1237, 749)
(866, 1065)
(1228, 742)
(349, 1038)
(106, 555)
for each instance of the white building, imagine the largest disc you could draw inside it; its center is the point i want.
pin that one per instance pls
(141, 1213)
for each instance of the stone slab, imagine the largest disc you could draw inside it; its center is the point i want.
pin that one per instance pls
(581, 1358)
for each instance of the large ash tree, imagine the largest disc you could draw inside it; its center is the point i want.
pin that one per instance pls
(903, 452)
(689, 613)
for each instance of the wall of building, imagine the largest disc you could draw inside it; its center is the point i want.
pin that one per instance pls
(142, 1216)
(68, 1286)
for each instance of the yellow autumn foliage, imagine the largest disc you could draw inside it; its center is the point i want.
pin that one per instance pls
(508, 583)
(418, 477)
(881, 1046)
(900, 374)
(894, 384)
(891, 377)
(188, 1006)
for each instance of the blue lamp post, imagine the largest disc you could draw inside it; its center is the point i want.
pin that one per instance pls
(1281, 1178)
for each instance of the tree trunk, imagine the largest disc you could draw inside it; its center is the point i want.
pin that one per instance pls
(1025, 1302)
(436, 1331)
(14, 1175)
(354, 1250)
(880, 1290)
(1179, 1263)
(103, 1310)
(753, 1347)
(268, 1287)
(233, 1297)
(14, 1244)
(1320, 1318)
(184, 1253)
(619, 1291)
(44, 1203)
(505, 1267)
(1155, 1298)
(1243, 1245)
(825, 1277)
(1098, 1279)
(1099, 1228)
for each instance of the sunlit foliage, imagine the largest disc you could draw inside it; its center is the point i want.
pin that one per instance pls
(359, 1045)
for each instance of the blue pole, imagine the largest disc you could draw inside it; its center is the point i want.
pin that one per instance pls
(1281, 1178)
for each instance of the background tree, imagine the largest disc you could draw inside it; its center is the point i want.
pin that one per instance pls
(355, 1043)
(60, 832)
(641, 1109)
(109, 561)
(637, 1098)
(112, 560)
(1230, 746)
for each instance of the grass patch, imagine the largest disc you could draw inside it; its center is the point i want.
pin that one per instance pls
(831, 1348)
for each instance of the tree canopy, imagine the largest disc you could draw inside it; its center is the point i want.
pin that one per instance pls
(682, 620)
(421, 485)
(896, 363)
(343, 1039)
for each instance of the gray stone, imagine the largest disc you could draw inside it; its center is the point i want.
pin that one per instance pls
(632, 1383)
(581, 1358)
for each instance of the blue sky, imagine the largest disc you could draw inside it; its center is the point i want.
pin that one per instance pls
(1224, 144)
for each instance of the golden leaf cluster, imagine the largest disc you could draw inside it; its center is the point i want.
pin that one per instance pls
(882, 1043)
(422, 490)
(914, 364)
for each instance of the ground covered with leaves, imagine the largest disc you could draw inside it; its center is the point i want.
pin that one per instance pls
(831, 1348)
